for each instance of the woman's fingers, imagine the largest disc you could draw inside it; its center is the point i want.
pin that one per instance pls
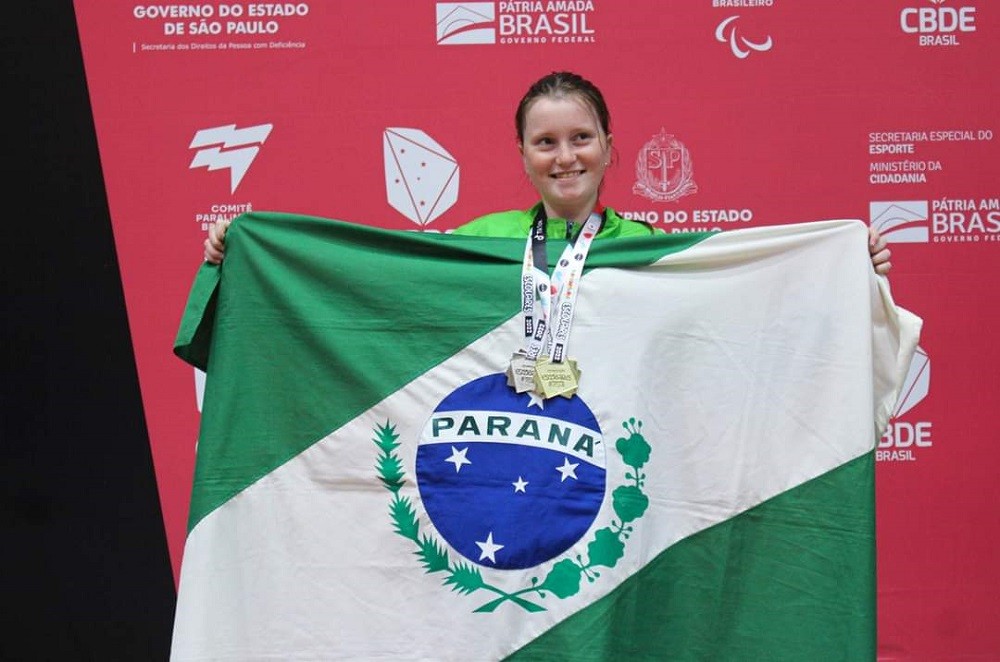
(215, 244)
(880, 254)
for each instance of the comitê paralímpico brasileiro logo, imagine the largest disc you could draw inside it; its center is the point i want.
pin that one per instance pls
(511, 482)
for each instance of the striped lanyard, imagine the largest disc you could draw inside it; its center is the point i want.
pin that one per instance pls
(548, 303)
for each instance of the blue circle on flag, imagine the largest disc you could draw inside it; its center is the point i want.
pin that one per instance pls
(509, 480)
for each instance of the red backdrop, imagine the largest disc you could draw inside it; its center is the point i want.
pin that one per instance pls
(726, 113)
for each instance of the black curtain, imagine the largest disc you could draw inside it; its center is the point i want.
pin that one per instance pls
(85, 571)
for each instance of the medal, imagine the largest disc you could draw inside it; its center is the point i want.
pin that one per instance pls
(547, 306)
(521, 372)
(552, 379)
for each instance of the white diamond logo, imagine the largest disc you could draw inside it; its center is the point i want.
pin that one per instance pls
(421, 177)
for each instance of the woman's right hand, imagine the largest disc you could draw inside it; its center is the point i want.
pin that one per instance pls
(215, 244)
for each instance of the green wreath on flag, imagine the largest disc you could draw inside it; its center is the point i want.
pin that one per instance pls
(563, 580)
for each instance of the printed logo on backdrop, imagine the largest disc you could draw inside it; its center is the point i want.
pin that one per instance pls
(901, 157)
(906, 438)
(520, 22)
(232, 149)
(901, 221)
(218, 26)
(938, 24)
(943, 221)
(466, 23)
(663, 169)
(664, 172)
(512, 482)
(226, 147)
(421, 177)
(727, 32)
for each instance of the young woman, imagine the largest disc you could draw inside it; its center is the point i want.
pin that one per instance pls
(564, 136)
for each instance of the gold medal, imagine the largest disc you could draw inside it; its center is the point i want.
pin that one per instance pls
(552, 379)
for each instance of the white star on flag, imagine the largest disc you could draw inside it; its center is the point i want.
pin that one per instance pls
(535, 400)
(519, 485)
(458, 458)
(568, 469)
(489, 548)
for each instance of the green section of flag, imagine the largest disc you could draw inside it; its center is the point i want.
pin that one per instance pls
(310, 322)
(791, 579)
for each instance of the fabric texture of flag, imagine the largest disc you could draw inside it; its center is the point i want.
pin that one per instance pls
(368, 487)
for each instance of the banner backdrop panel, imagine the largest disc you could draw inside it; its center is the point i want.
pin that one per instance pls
(725, 114)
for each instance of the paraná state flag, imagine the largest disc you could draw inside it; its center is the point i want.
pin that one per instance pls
(368, 487)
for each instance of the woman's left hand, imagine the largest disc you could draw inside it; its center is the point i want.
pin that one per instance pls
(880, 254)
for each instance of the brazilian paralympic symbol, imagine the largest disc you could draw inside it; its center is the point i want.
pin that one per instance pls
(511, 482)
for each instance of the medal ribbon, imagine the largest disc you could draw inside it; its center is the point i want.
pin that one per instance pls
(548, 304)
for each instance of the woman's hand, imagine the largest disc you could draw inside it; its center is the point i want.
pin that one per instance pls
(880, 254)
(215, 244)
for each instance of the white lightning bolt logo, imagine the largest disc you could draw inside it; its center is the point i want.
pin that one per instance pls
(217, 153)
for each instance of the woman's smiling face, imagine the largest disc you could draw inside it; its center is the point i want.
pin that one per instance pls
(565, 154)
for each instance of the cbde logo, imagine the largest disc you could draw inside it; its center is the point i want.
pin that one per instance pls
(902, 438)
(937, 25)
